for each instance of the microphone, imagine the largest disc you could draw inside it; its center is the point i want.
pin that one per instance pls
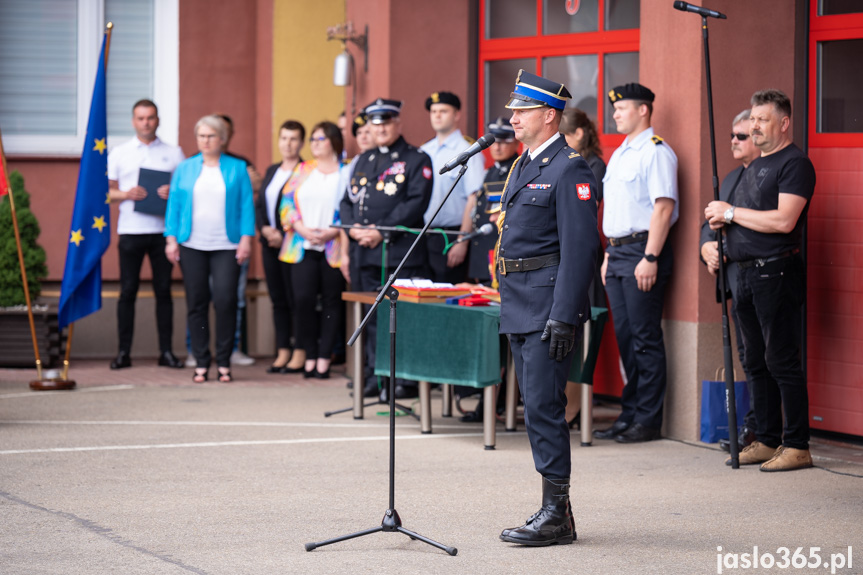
(686, 7)
(484, 230)
(477, 147)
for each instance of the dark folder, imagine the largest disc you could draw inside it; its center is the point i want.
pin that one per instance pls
(152, 180)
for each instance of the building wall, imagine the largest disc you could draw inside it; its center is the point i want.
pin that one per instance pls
(416, 48)
(302, 60)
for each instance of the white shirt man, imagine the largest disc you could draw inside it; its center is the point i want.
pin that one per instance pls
(140, 233)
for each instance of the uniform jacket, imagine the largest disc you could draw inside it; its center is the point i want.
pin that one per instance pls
(239, 202)
(495, 178)
(548, 209)
(390, 189)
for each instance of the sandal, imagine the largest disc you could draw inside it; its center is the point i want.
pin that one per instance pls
(225, 375)
(201, 375)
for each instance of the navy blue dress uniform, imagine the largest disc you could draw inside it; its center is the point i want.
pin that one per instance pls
(642, 170)
(546, 261)
(487, 203)
(389, 187)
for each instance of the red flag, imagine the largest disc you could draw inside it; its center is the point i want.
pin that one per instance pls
(3, 179)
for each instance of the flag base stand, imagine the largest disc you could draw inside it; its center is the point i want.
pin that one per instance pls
(53, 384)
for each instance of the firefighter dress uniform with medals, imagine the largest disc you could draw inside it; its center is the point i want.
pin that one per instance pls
(546, 261)
(389, 187)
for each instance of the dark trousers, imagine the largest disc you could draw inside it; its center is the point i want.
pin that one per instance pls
(542, 383)
(369, 279)
(637, 319)
(437, 259)
(199, 269)
(768, 309)
(748, 419)
(313, 277)
(278, 275)
(132, 249)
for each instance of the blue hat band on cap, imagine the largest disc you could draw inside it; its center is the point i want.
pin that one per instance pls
(543, 97)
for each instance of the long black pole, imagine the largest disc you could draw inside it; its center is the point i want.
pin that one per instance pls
(730, 400)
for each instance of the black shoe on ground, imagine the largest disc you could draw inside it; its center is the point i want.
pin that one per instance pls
(638, 433)
(745, 437)
(474, 416)
(371, 389)
(552, 524)
(121, 361)
(613, 431)
(168, 359)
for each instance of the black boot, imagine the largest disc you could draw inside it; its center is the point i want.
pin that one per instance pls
(552, 524)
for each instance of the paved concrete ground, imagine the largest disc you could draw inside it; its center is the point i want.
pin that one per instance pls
(142, 472)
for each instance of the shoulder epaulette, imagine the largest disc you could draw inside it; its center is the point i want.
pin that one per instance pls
(657, 140)
(573, 155)
(468, 139)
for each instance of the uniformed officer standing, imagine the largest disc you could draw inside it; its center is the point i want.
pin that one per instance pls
(546, 259)
(444, 113)
(484, 206)
(640, 188)
(391, 186)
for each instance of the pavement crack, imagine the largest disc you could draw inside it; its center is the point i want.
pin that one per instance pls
(104, 532)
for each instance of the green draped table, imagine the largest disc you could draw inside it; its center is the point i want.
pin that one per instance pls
(459, 345)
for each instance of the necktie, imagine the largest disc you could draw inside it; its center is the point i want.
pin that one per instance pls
(525, 163)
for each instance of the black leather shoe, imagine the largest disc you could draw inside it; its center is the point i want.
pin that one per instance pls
(474, 416)
(613, 431)
(322, 374)
(371, 389)
(121, 361)
(168, 359)
(407, 391)
(277, 369)
(552, 524)
(745, 437)
(637, 433)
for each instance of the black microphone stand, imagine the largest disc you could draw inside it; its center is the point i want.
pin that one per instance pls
(391, 521)
(730, 399)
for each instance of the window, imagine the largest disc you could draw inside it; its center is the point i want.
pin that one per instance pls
(588, 45)
(50, 50)
(836, 96)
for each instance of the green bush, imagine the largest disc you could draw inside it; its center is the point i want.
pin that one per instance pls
(11, 291)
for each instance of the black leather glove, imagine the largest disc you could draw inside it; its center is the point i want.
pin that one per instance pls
(562, 338)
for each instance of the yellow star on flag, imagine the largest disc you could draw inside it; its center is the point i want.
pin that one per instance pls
(108, 198)
(100, 146)
(99, 223)
(77, 238)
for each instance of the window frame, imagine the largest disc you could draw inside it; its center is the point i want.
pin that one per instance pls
(166, 82)
(541, 46)
(826, 29)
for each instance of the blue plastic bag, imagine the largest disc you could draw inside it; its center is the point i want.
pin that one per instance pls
(714, 416)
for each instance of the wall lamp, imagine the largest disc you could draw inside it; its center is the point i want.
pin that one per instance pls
(343, 67)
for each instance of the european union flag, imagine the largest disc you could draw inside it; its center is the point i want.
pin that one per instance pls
(90, 234)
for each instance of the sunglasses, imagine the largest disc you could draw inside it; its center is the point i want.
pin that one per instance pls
(740, 137)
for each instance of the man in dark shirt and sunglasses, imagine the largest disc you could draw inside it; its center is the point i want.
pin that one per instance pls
(744, 150)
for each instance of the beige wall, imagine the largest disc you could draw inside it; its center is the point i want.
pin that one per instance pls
(303, 65)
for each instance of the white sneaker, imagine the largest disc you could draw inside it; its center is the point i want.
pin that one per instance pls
(240, 358)
(191, 361)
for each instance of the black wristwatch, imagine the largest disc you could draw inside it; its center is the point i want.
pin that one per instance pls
(650, 257)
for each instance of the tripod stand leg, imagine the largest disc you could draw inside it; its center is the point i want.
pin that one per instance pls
(346, 409)
(312, 546)
(412, 535)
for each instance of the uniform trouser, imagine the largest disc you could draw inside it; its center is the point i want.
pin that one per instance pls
(199, 268)
(637, 319)
(542, 383)
(370, 280)
(437, 259)
(278, 275)
(311, 277)
(132, 249)
(768, 309)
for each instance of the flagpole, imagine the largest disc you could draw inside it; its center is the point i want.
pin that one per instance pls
(63, 382)
(24, 282)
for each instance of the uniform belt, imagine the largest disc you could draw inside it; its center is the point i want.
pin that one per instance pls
(630, 239)
(527, 264)
(759, 262)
